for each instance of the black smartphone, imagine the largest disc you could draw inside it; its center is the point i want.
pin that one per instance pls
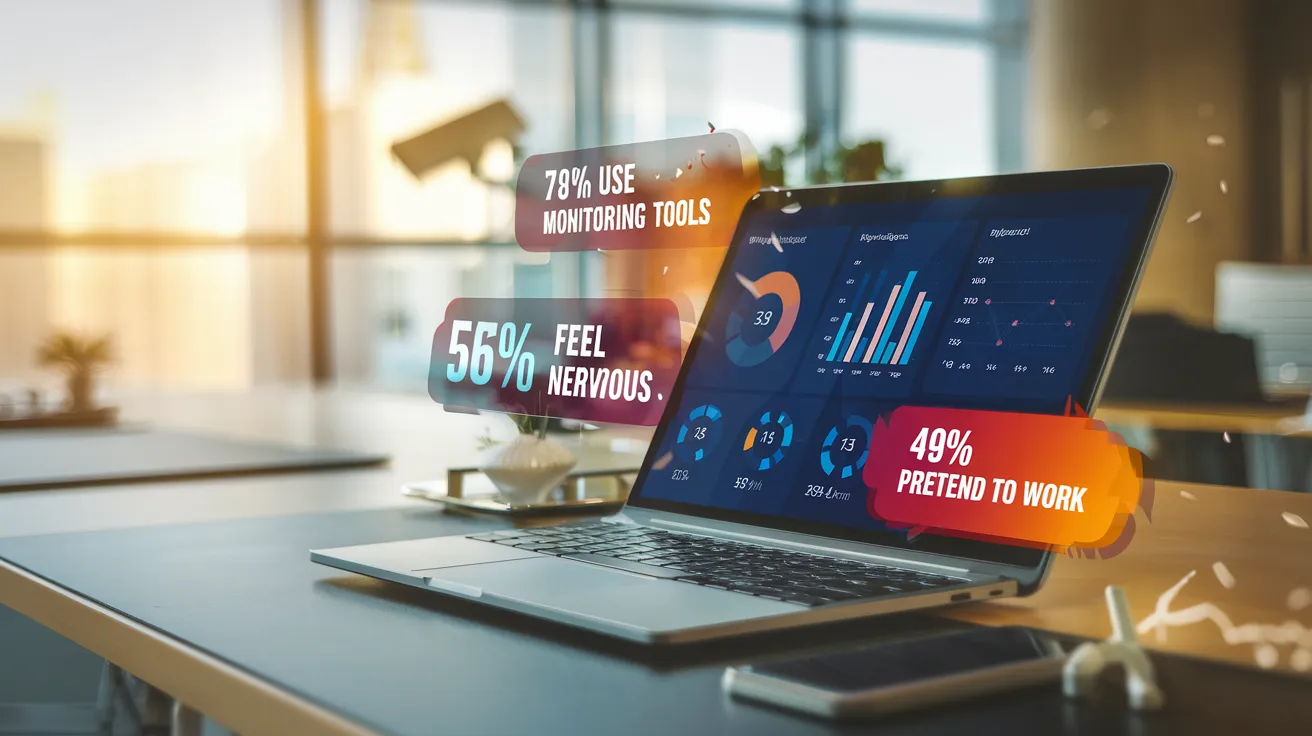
(904, 675)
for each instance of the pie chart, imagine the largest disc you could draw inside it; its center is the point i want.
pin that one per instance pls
(699, 433)
(767, 440)
(763, 320)
(846, 447)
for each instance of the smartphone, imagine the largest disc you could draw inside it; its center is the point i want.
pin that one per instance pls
(902, 676)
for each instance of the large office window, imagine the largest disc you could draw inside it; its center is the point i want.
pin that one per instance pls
(394, 69)
(930, 102)
(670, 77)
(140, 141)
(160, 153)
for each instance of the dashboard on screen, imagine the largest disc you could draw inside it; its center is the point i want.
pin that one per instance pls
(829, 316)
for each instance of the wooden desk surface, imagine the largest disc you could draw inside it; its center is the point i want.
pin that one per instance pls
(1261, 621)
(1263, 617)
(1254, 419)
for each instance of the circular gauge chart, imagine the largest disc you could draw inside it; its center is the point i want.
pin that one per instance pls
(764, 318)
(699, 433)
(768, 440)
(846, 447)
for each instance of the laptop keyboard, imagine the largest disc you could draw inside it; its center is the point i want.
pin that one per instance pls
(796, 577)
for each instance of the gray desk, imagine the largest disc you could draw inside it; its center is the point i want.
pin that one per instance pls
(242, 601)
(157, 600)
(65, 458)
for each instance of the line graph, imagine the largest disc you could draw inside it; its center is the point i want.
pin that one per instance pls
(1003, 327)
(1025, 306)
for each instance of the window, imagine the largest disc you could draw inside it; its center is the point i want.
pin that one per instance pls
(929, 101)
(155, 152)
(670, 77)
(972, 11)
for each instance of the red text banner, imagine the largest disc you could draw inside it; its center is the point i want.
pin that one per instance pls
(678, 193)
(1034, 479)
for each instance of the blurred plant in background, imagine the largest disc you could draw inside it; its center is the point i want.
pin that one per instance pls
(79, 358)
(863, 161)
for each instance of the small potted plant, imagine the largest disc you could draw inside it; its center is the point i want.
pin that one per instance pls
(529, 467)
(79, 358)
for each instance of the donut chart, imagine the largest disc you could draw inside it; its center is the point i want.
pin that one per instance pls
(748, 350)
(699, 433)
(768, 439)
(846, 447)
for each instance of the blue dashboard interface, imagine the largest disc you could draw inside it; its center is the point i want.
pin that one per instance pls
(831, 316)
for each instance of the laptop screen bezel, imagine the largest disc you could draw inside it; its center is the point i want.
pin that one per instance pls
(1155, 177)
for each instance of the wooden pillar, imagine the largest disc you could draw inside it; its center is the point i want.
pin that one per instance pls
(1134, 81)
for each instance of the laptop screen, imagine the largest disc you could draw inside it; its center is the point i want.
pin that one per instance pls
(830, 312)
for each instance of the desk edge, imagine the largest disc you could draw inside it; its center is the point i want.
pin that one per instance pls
(229, 695)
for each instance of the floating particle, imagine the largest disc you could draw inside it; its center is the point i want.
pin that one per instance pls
(1267, 655)
(1195, 217)
(1299, 598)
(1215, 140)
(665, 270)
(658, 176)
(792, 208)
(1301, 660)
(1223, 575)
(1293, 519)
(1206, 110)
(1225, 188)
(1226, 436)
(748, 285)
(660, 397)
(774, 240)
(678, 173)
(1099, 118)
(1189, 496)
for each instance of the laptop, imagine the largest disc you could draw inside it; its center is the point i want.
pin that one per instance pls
(835, 305)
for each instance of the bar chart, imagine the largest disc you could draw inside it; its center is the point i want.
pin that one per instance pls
(882, 334)
(885, 305)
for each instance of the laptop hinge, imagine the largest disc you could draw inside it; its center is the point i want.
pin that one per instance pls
(829, 551)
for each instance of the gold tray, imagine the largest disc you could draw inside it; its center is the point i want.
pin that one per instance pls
(591, 491)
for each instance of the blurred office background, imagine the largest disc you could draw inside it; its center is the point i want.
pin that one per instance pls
(211, 184)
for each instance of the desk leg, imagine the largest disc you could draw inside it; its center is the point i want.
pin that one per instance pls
(107, 698)
(115, 691)
(186, 721)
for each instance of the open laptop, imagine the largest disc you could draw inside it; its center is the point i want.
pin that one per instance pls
(835, 305)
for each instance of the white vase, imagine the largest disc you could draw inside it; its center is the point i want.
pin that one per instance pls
(527, 468)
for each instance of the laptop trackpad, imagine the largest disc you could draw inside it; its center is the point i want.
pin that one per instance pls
(420, 556)
(588, 592)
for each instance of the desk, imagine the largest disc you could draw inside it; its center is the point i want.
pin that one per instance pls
(1254, 419)
(145, 623)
